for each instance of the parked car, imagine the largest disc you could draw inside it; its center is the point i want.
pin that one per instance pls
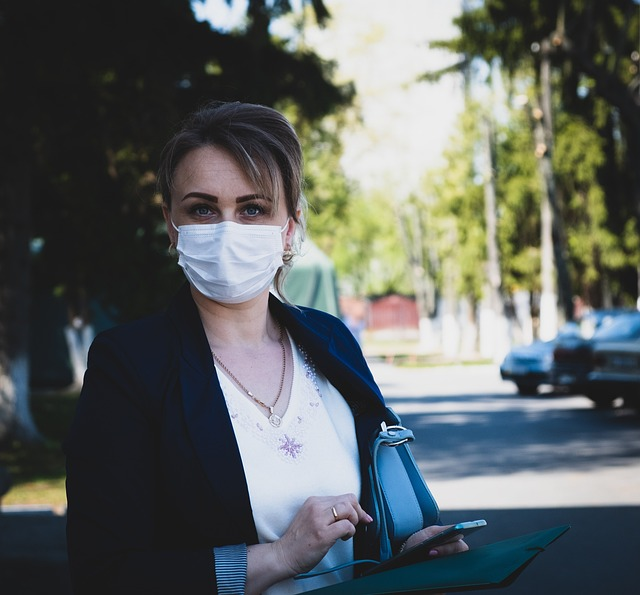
(573, 355)
(616, 373)
(593, 320)
(528, 365)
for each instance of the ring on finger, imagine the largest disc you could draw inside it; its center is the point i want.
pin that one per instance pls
(335, 513)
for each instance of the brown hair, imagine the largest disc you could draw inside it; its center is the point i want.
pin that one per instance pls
(259, 138)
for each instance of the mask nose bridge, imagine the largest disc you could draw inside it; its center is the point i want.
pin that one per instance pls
(282, 229)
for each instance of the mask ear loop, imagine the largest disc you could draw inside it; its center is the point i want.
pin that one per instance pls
(286, 224)
(288, 253)
(171, 251)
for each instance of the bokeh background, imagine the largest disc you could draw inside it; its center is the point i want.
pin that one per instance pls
(472, 170)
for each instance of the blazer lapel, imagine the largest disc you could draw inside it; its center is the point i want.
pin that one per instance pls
(207, 419)
(334, 355)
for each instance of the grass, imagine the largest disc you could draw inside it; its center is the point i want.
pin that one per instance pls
(37, 470)
(409, 353)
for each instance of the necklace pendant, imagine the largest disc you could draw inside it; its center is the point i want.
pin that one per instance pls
(275, 420)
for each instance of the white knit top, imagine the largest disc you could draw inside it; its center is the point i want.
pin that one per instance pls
(314, 452)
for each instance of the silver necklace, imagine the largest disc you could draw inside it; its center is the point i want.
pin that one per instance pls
(274, 419)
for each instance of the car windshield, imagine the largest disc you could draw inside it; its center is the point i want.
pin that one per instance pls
(625, 326)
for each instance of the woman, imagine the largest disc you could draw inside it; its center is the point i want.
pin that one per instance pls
(220, 446)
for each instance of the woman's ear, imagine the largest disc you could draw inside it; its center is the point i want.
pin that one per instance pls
(291, 230)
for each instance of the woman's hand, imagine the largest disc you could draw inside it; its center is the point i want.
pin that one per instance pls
(454, 545)
(319, 523)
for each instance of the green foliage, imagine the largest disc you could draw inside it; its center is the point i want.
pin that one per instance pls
(333, 216)
(592, 48)
(579, 155)
(366, 247)
(327, 189)
(518, 196)
(358, 232)
(97, 90)
(458, 210)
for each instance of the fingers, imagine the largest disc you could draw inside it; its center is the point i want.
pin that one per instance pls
(425, 533)
(453, 545)
(449, 548)
(344, 515)
(347, 507)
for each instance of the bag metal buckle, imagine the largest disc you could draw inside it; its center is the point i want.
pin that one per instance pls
(404, 434)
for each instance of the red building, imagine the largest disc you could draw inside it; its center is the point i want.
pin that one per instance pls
(393, 312)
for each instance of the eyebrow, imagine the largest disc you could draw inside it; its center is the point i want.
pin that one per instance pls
(239, 199)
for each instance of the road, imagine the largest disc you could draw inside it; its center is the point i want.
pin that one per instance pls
(523, 464)
(528, 463)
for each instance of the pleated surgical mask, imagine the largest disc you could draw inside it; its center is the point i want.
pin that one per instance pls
(229, 262)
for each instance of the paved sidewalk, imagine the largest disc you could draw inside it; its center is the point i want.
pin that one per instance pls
(598, 547)
(601, 499)
(33, 555)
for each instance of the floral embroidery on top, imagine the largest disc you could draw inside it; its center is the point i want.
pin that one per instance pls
(290, 447)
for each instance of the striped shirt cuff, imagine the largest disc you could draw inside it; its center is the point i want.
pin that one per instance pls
(231, 568)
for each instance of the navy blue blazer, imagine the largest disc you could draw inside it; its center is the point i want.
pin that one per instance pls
(154, 474)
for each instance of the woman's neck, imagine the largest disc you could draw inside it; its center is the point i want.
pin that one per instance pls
(237, 325)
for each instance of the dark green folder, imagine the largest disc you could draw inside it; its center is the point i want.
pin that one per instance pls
(488, 566)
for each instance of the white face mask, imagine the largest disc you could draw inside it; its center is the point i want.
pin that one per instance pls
(229, 262)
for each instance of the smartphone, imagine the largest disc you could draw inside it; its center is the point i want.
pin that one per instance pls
(420, 552)
(446, 536)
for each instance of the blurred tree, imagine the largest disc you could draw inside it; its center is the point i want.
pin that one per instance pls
(91, 91)
(327, 189)
(591, 52)
(416, 233)
(518, 187)
(459, 211)
(367, 251)
(593, 234)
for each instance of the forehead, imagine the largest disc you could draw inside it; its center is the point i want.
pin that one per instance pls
(210, 168)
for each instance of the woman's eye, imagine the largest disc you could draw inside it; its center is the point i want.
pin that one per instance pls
(253, 210)
(202, 210)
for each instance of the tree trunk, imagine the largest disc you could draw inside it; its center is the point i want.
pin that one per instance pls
(412, 232)
(551, 218)
(496, 336)
(15, 416)
(494, 276)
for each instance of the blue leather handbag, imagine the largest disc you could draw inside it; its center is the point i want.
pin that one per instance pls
(400, 501)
